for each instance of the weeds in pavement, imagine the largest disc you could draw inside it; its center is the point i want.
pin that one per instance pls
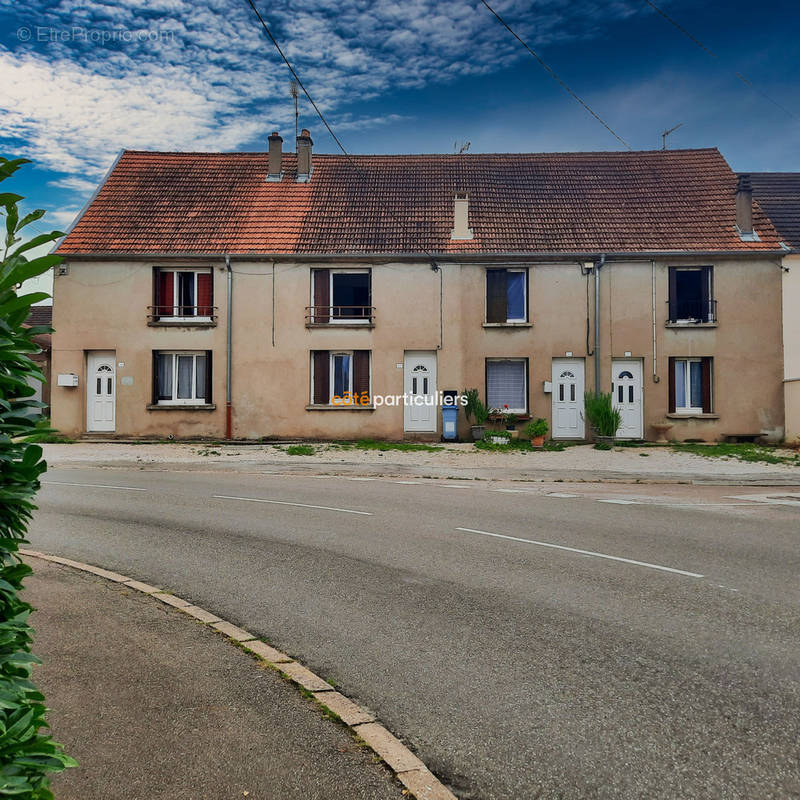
(300, 450)
(754, 453)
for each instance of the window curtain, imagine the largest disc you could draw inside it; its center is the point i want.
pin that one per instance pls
(505, 384)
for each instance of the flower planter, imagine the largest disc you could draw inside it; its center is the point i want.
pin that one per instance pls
(661, 429)
(537, 441)
(477, 432)
(498, 439)
(604, 439)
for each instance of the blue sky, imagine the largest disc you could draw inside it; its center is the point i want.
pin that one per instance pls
(81, 79)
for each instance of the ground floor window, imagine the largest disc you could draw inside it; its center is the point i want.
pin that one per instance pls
(507, 384)
(340, 377)
(690, 385)
(182, 377)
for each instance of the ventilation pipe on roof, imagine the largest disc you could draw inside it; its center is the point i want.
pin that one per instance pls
(275, 157)
(744, 210)
(461, 229)
(304, 166)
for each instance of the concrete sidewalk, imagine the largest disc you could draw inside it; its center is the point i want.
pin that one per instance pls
(155, 705)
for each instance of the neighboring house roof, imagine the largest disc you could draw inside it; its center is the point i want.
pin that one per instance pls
(40, 315)
(215, 203)
(778, 194)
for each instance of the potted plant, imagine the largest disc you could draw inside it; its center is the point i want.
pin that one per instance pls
(474, 408)
(536, 430)
(497, 437)
(603, 417)
(510, 421)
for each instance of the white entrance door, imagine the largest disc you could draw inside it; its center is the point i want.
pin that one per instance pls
(101, 391)
(626, 389)
(419, 386)
(568, 381)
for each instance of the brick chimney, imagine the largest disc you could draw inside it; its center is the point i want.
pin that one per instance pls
(275, 157)
(744, 209)
(304, 166)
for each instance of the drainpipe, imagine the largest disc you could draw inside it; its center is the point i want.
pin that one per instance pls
(228, 326)
(597, 267)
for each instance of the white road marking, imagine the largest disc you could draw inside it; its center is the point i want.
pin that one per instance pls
(512, 491)
(562, 494)
(95, 486)
(287, 503)
(584, 552)
(407, 483)
(454, 486)
(621, 502)
(361, 479)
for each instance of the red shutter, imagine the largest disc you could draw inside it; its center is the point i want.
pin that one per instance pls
(204, 294)
(322, 377)
(322, 295)
(360, 374)
(208, 376)
(671, 384)
(706, 388)
(166, 295)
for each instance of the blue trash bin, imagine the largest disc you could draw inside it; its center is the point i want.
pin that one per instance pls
(449, 416)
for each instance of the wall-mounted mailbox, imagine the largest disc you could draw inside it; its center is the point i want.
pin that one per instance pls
(68, 379)
(547, 387)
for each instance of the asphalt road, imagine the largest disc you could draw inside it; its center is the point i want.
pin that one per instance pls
(637, 643)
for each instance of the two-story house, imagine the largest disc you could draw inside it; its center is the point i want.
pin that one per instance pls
(241, 294)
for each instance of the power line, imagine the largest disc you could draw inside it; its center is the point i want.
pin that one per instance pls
(556, 77)
(336, 139)
(710, 52)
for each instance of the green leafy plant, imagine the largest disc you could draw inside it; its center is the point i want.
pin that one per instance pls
(536, 428)
(475, 407)
(300, 450)
(490, 435)
(27, 756)
(600, 411)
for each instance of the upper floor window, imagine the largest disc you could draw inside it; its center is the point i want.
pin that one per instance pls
(341, 296)
(691, 294)
(506, 295)
(183, 295)
(181, 377)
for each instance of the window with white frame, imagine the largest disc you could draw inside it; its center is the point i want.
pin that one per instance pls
(183, 294)
(182, 377)
(507, 384)
(341, 296)
(506, 295)
(690, 385)
(340, 377)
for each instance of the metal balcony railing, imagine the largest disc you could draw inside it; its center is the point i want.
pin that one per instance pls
(693, 311)
(332, 315)
(182, 313)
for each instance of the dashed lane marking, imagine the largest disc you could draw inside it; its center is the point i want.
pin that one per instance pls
(95, 486)
(287, 503)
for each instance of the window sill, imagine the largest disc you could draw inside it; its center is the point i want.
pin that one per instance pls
(181, 407)
(348, 325)
(691, 415)
(182, 323)
(322, 407)
(507, 324)
(691, 325)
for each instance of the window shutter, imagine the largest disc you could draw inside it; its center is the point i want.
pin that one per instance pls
(322, 295)
(165, 293)
(496, 298)
(706, 295)
(205, 299)
(673, 298)
(705, 365)
(156, 291)
(209, 384)
(671, 382)
(360, 373)
(155, 377)
(322, 377)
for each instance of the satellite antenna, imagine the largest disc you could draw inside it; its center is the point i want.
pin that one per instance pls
(667, 133)
(294, 91)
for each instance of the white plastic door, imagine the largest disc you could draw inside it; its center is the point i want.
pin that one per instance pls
(101, 391)
(626, 390)
(419, 386)
(568, 383)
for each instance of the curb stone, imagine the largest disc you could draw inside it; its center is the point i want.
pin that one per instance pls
(419, 781)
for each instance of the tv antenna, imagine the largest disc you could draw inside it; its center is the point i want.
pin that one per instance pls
(458, 149)
(294, 91)
(667, 133)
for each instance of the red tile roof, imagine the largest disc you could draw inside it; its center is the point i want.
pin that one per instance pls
(215, 203)
(40, 315)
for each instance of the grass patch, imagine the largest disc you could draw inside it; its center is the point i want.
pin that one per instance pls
(512, 445)
(408, 447)
(300, 450)
(753, 453)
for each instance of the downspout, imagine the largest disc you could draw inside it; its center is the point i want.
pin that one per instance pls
(597, 267)
(228, 333)
(656, 379)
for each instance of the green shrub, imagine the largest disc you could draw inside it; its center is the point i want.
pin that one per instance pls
(300, 450)
(602, 416)
(26, 755)
(489, 435)
(475, 407)
(535, 428)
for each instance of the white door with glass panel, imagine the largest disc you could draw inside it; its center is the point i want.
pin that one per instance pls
(568, 387)
(419, 387)
(626, 391)
(101, 391)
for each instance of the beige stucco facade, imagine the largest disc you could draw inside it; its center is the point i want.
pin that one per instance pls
(791, 346)
(103, 306)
